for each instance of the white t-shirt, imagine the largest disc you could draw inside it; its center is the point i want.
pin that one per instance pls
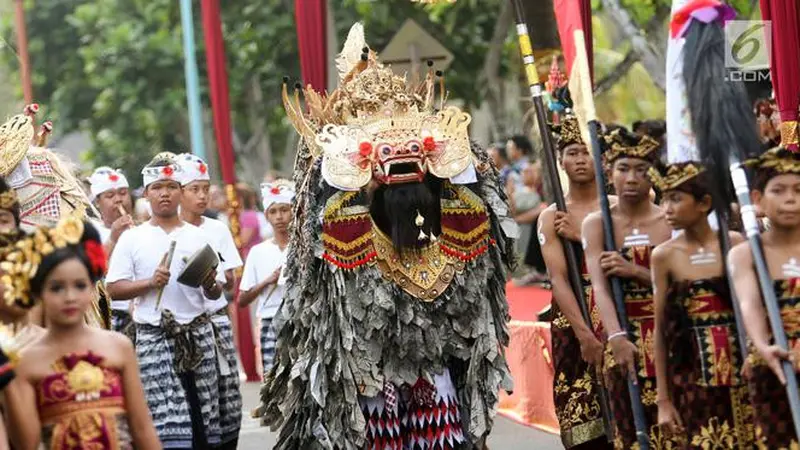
(222, 242)
(136, 256)
(262, 261)
(103, 230)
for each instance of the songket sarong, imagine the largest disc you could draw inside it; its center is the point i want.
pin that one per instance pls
(421, 417)
(641, 324)
(705, 364)
(267, 340)
(575, 382)
(230, 396)
(773, 417)
(178, 364)
(82, 405)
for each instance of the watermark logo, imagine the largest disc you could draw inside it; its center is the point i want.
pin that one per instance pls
(748, 49)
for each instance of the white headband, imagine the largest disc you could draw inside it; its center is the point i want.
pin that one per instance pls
(272, 193)
(104, 179)
(194, 169)
(171, 172)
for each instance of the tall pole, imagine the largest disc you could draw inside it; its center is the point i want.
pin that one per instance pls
(571, 250)
(192, 80)
(24, 57)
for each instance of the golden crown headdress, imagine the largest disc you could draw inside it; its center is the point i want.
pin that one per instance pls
(567, 131)
(22, 262)
(618, 147)
(17, 135)
(673, 176)
(378, 124)
(777, 161)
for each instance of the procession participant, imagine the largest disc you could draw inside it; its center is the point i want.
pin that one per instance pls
(196, 182)
(109, 193)
(777, 194)
(639, 225)
(697, 355)
(77, 386)
(174, 336)
(394, 314)
(262, 279)
(46, 188)
(577, 351)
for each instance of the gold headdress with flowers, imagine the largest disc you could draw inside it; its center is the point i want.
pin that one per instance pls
(22, 262)
(377, 124)
(673, 176)
(776, 161)
(616, 146)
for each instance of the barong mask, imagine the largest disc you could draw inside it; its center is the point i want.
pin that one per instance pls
(377, 125)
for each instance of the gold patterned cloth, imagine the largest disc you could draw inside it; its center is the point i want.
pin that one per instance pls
(704, 366)
(82, 405)
(575, 382)
(771, 412)
(641, 324)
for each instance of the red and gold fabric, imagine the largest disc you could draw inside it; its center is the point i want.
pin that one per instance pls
(772, 415)
(575, 382)
(82, 405)
(704, 364)
(641, 326)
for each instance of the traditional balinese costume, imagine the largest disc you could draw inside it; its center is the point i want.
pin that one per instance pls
(772, 414)
(393, 323)
(193, 168)
(175, 342)
(639, 306)
(102, 180)
(704, 360)
(45, 187)
(580, 416)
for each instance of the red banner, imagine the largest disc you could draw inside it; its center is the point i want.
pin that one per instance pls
(220, 106)
(311, 18)
(785, 62)
(574, 15)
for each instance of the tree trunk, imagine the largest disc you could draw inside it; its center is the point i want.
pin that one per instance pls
(650, 55)
(491, 73)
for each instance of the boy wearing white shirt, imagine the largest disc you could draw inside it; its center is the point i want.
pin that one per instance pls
(109, 193)
(262, 279)
(196, 183)
(174, 336)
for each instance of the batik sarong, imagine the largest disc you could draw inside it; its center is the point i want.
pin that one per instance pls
(167, 354)
(230, 397)
(267, 340)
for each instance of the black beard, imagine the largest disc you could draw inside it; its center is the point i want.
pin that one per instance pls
(394, 209)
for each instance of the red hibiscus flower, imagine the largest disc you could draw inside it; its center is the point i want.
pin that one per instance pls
(429, 143)
(203, 169)
(97, 257)
(365, 149)
(275, 191)
(113, 177)
(168, 171)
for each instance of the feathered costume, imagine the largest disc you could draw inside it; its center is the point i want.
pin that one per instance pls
(394, 320)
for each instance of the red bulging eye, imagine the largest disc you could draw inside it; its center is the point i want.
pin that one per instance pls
(365, 149)
(429, 143)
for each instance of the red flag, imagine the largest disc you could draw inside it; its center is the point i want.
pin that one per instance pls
(572, 15)
(311, 40)
(785, 63)
(220, 105)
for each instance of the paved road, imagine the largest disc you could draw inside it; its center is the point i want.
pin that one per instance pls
(506, 436)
